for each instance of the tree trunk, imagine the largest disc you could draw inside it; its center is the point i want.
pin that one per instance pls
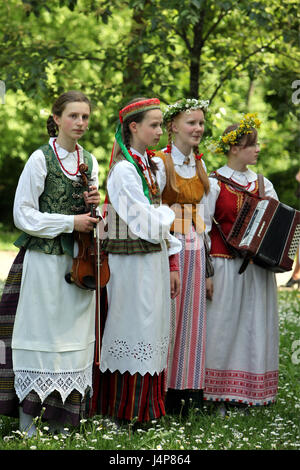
(132, 74)
(250, 92)
(195, 55)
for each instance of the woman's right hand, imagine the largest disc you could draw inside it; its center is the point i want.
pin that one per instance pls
(84, 222)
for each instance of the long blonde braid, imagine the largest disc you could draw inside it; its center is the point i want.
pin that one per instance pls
(169, 164)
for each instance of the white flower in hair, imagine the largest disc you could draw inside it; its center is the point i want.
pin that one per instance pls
(187, 105)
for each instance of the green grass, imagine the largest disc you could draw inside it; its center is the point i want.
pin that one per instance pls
(275, 427)
(7, 239)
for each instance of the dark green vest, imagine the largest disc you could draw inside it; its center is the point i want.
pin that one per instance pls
(120, 240)
(61, 195)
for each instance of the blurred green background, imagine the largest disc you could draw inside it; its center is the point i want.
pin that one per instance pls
(243, 56)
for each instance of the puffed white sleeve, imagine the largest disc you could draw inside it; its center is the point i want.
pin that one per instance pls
(161, 173)
(161, 176)
(269, 189)
(27, 216)
(95, 172)
(209, 203)
(146, 221)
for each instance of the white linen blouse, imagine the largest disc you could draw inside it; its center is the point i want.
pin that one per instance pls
(137, 328)
(54, 329)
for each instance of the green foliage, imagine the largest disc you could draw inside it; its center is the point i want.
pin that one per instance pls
(7, 238)
(243, 56)
(10, 170)
(288, 189)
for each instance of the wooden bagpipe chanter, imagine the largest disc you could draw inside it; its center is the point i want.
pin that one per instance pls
(265, 232)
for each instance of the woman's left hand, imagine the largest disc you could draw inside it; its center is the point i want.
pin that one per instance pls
(175, 283)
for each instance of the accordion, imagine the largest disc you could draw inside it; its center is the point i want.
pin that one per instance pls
(267, 232)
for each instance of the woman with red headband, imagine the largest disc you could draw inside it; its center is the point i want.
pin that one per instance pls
(184, 182)
(136, 334)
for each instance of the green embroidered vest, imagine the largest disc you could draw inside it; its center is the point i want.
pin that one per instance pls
(120, 239)
(61, 195)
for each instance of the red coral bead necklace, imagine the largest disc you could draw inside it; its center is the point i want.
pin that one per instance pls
(60, 162)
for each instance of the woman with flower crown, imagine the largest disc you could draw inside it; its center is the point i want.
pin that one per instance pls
(136, 332)
(184, 181)
(242, 319)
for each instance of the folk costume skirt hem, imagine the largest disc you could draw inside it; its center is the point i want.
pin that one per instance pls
(186, 358)
(241, 387)
(242, 335)
(9, 301)
(128, 397)
(137, 328)
(72, 410)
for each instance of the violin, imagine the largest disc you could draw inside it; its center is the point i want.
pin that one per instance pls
(90, 268)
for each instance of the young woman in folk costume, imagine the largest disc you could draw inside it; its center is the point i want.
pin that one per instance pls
(242, 319)
(53, 322)
(295, 278)
(136, 332)
(184, 182)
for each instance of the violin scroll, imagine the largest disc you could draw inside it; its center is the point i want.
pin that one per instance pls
(90, 268)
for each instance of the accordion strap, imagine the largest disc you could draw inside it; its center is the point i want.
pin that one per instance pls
(233, 252)
(261, 195)
(261, 185)
(260, 181)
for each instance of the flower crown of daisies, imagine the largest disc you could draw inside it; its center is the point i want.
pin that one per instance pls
(187, 105)
(246, 126)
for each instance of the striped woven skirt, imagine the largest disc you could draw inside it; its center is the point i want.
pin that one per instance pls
(186, 364)
(242, 351)
(69, 412)
(128, 397)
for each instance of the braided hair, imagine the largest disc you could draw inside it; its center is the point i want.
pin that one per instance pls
(126, 133)
(170, 169)
(52, 127)
(169, 164)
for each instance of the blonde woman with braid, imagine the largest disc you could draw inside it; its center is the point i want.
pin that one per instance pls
(184, 181)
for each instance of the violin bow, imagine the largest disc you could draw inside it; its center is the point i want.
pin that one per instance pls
(98, 292)
(97, 259)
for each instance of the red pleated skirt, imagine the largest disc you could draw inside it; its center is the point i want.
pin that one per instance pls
(126, 396)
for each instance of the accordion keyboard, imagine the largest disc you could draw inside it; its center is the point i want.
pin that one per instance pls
(295, 243)
(254, 223)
